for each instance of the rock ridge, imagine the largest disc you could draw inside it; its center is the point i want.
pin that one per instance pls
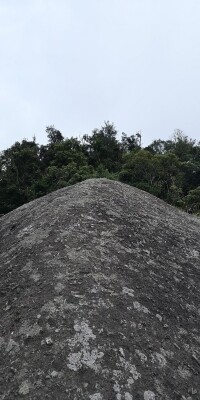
(100, 297)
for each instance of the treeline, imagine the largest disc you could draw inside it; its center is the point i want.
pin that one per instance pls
(168, 169)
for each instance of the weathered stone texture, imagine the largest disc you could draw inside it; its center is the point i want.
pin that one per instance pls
(100, 297)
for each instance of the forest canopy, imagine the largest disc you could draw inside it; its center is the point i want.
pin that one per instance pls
(168, 169)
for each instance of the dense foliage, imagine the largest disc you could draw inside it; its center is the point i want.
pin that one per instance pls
(168, 169)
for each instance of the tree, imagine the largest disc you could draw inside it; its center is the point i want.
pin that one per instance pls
(63, 153)
(168, 169)
(130, 143)
(141, 170)
(54, 135)
(192, 201)
(183, 146)
(157, 147)
(19, 169)
(191, 175)
(156, 174)
(103, 148)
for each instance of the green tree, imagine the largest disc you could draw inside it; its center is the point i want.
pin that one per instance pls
(140, 169)
(191, 175)
(157, 147)
(63, 153)
(192, 201)
(168, 169)
(54, 135)
(103, 148)
(157, 174)
(19, 169)
(130, 143)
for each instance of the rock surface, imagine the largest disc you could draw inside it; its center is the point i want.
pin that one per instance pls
(100, 297)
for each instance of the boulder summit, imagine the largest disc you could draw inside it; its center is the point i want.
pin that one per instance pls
(100, 297)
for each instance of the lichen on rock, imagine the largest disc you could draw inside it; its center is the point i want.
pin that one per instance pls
(100, 297)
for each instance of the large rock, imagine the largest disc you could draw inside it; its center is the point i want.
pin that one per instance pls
(100, 297)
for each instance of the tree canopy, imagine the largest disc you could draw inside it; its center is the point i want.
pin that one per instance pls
(168, 169)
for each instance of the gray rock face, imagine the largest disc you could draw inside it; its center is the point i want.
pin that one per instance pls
(100, 297)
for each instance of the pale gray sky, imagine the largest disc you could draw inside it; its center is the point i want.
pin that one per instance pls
(77, 63)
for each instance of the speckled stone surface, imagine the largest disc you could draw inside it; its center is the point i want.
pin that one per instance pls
(100, 297)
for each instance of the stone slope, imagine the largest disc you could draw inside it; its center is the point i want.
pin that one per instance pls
(100, 297)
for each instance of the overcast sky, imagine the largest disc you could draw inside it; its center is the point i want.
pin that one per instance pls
(76, 63)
